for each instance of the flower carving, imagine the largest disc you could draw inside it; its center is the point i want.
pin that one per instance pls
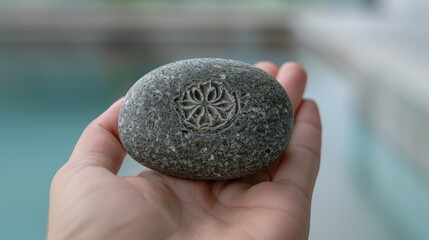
(207, 106)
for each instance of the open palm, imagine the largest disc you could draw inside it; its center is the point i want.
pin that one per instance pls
(88, 200)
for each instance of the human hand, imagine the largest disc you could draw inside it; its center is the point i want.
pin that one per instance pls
(88, 200)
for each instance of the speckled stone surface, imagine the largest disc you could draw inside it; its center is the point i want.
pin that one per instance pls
(206, 119)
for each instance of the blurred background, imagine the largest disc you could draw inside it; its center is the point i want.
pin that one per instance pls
(63, 62)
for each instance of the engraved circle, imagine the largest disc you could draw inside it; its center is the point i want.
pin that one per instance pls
(207, 106)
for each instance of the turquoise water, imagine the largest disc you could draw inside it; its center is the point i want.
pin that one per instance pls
(47, 97)
(395, 187)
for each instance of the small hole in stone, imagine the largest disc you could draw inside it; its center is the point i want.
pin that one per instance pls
(184, 132)
(268, 150)
(199, 143)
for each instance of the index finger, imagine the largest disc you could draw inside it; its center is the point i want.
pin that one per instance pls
(293, 78)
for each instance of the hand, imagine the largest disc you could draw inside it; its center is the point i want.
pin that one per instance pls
(88, 200)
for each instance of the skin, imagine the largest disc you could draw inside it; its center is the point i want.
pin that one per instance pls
(88, 200)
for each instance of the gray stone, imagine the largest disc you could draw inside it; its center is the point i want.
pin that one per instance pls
(211, 119)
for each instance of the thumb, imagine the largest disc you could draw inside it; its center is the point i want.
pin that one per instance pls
(99, 144)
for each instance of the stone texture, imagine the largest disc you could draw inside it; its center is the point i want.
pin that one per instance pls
(206, 118)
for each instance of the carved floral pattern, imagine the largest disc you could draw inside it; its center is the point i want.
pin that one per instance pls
(207, 106)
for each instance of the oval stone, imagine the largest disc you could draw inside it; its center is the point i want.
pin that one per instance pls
(211, 119)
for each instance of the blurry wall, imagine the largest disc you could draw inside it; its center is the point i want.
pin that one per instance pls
(383, 51)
